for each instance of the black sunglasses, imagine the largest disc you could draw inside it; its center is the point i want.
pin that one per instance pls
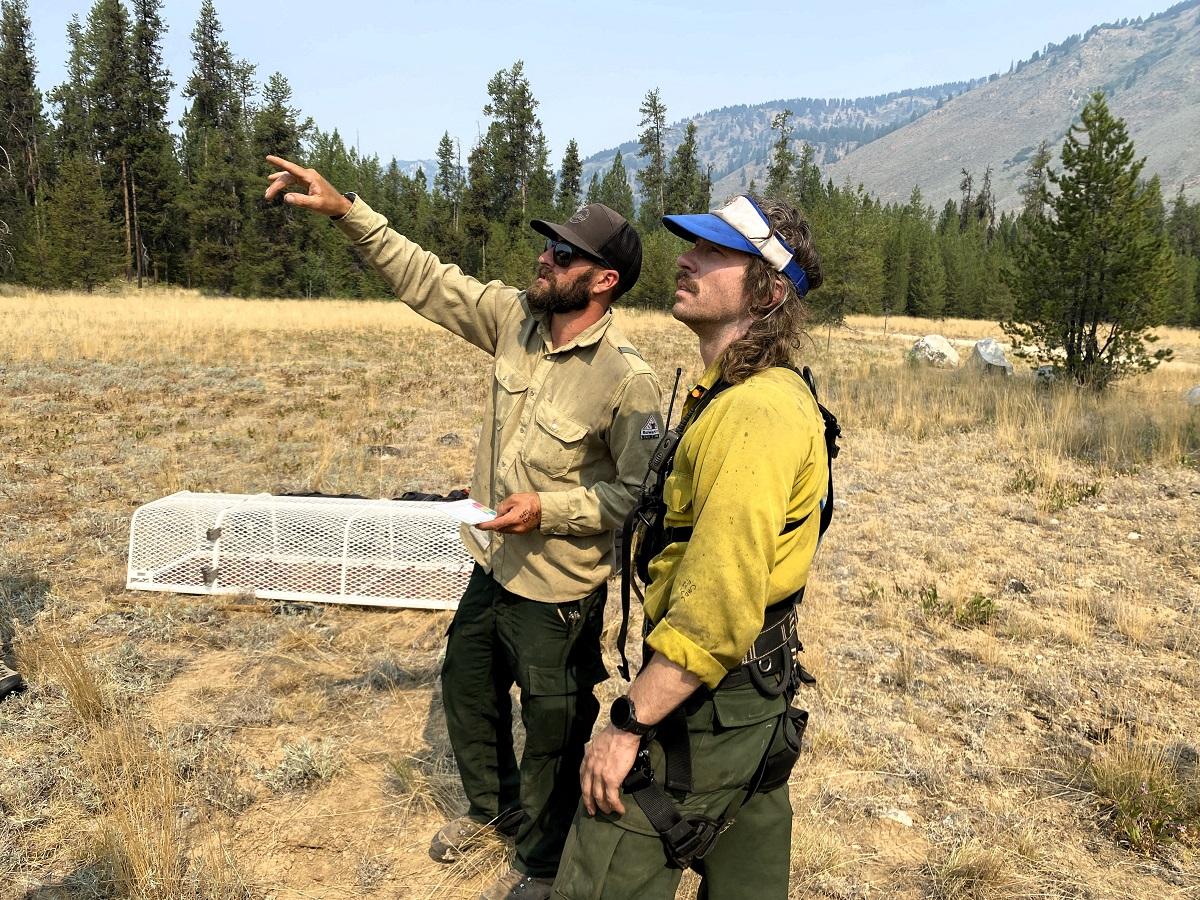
(565, 253)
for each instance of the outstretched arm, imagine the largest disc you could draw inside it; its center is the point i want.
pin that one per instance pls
(441, 293)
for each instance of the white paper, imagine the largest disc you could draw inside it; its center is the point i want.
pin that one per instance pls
(469, 511)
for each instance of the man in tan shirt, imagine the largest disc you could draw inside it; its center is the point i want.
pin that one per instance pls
(570, 420)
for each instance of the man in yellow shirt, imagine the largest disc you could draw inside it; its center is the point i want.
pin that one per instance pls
(570, 421)
(692, 769)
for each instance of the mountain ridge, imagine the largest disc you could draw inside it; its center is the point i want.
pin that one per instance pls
(924, 137)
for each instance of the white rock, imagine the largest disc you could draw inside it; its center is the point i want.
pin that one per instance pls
(934, 350)
(899, 816)
(1133, 536)
(1193, 396)
(988, 357)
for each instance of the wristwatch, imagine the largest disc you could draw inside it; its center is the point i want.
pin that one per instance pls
(624, 716)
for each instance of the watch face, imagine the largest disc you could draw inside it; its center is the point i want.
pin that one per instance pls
(621, 713)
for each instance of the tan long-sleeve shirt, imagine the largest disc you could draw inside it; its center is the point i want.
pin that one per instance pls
(576, 423)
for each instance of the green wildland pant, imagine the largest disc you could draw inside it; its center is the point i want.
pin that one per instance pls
(610, 857)
(551, 651)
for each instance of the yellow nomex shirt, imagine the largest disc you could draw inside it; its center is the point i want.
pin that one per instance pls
(753, 461)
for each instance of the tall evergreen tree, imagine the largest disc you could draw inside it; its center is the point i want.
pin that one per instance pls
(782, 164)
(512, 140)
(808, 190)
(448, 182)
(271, 250)
(23, 129)
(570, 178)
(687, 187)
(615, 191)
(79, 226)
(1035, 190)
(1092, 276)
(652, 178)
(110, 90)
(214, 154)
(73, 137)
(155, 182)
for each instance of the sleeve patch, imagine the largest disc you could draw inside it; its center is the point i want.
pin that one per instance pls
(650, 430)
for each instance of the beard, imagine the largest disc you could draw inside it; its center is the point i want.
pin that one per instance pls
(556, 297)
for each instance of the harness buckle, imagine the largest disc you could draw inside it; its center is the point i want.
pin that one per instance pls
(691, 839)
(641, 776)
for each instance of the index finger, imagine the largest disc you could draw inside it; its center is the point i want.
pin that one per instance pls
(287, 165)
(501, 521)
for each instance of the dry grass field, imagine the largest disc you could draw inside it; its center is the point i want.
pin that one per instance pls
(1004, 619)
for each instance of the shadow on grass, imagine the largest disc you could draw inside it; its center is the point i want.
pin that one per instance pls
(85, 883)
(21, 598)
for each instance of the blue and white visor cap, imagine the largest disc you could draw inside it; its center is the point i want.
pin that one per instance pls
(741, 225)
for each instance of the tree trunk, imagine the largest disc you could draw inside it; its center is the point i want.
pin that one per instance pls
(137, 231)
(128, 222)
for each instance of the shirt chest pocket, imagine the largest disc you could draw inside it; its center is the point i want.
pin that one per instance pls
(511, 386)
(556, 443)
(677, 493)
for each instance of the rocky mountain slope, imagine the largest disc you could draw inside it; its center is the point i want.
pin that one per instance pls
(736, 140)
(1149, 69)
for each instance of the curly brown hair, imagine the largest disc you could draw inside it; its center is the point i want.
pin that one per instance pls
(774, 336)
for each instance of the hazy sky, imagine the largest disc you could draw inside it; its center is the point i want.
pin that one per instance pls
(395, 75)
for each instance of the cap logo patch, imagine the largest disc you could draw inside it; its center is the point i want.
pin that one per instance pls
(650, 429)
(581, 215)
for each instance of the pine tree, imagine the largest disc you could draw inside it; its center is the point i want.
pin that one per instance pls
(79, 226)
(615, 191)
(651, 147)
(512, 141)
(448, 183)
(73, 137)
(1092, 276)
(214, 154)
(808, 191)
(155, 180)
(24, 134)
(111, 101)
(540, 195)
(570, 178)
(270, 254)
(687, 187)
(926, 277)
(782, 164)
(1035, 191)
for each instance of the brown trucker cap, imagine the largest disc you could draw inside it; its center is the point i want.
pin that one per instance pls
(604, 234)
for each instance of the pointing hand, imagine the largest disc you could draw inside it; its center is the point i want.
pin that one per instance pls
(319, 195)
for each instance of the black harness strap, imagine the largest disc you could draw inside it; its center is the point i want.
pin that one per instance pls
(660, 467)
(681, 534)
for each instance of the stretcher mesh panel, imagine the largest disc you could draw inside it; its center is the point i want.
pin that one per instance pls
(375, 552)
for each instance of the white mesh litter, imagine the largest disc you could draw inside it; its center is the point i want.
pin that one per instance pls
(328, 549)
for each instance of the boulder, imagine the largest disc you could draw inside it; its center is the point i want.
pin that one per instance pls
(1193, 396)
(934, 350)
(988, 357)
(1045, 375)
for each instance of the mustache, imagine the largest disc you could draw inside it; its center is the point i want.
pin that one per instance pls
(544, 272)
(684, 282)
